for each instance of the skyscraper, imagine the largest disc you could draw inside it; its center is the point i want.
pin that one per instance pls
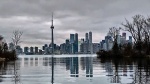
(36, 50)
(76, 43)
(11, 46)
(124, 35)
(67, 41)
(71, 38)
(86, 37)
(96, 47)
(18, 49)
(107, 40)
(63, 48)
(26, 49)
(82, 40)
(123, 39)
(102, 44)
(72, 43)
(31, 50)
(90, 42)
(105, 47)
(85, 45)
(130, 39)
(118, 39)
(67, 46)
(80, 45)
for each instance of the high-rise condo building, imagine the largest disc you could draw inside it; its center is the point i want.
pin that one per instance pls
(67, 47)
(71, 38)
(31, 50)
(124, 35)
(26, 50)
(76, 43)
(86, 38)
(36, 50)
(130, 39)
(90, 42)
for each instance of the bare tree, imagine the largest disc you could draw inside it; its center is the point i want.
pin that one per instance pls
(147, 29)
(136, 28)
(113, 31)
(17, 37)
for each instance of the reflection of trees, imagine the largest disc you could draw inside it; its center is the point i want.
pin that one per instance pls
(10, 68)
(112, 68)
(2, 70)
(109, 68)
(16, 78)
(5, 69)
(140, 70)
(115, 78)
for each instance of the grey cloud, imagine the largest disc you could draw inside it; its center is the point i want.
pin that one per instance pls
(33, 17)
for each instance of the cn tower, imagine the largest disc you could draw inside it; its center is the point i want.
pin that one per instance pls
(52, 27)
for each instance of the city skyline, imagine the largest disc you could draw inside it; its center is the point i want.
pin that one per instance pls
(96, 16)
(75, 45)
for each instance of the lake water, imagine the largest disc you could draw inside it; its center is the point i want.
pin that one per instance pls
(71, 69)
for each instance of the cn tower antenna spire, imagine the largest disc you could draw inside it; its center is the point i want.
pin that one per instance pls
(52, 26)
(52, 19)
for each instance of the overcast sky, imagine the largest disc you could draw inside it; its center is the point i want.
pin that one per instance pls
(33, 17)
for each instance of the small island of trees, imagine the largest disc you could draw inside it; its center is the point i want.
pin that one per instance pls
(139, 28)
(7, 54)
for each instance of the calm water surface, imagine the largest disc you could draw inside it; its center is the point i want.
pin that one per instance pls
(71, 69)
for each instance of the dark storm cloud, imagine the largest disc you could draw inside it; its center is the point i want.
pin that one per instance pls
(33, 17)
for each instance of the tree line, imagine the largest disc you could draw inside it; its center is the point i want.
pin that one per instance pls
(7, 54)
(139, 28)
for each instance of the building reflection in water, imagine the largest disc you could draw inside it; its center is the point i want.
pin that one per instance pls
(67, 60)
(74, 67)
(89, 67)
(16, 77)
(71, 63)
(52, 69)
(138, 72)
(82, 61)
(117, 71)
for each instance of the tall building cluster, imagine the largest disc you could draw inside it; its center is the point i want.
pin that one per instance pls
(107, 43)
(82, 46)
(86, 46)
(71, 45)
